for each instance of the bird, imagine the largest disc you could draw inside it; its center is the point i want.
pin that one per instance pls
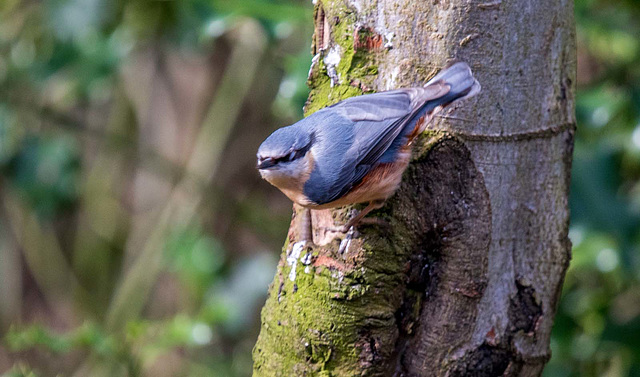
(355, 151)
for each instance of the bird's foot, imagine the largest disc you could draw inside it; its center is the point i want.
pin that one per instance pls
(344, 229)
(358, 218)
(378, 221)
(336, 229)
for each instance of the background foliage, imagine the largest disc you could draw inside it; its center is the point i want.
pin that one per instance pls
(136, 237)
(597, 330)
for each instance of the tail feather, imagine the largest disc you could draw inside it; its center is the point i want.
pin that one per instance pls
(459, 78)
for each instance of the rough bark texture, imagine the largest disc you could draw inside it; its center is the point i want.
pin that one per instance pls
(465, 279)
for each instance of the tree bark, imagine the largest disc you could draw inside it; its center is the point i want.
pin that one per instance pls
(466, 278)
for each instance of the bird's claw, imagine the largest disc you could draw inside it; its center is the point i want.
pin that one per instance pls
(337, 229)
(352, 227)
(375, 221)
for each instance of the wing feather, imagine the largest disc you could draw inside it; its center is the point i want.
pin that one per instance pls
(376, 121)
(362, 129)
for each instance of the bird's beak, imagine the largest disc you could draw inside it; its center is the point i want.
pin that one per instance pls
(265, 163)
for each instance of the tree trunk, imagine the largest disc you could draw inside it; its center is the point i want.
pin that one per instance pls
(466, 278)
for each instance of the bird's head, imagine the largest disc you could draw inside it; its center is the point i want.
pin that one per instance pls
(284, 158)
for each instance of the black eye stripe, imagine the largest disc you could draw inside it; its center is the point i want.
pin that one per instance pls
(294, 154)
(285, 158)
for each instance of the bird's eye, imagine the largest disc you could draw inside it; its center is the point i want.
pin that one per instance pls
(291, 156)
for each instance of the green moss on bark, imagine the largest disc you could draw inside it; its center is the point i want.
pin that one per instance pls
(343, 309)
(356, 69)
(337, 316)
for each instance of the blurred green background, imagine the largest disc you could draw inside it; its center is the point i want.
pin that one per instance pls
(135, 235)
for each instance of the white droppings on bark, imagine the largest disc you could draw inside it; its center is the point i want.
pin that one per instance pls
(314, 62)
(388, 40)
(292, 258)
(391, 82)
(331, 61)
(306, 260)
(346, 242)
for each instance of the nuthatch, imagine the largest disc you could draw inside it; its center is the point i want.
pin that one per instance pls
(356, 150)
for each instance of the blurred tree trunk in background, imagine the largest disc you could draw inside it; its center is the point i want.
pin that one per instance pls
(466, 280)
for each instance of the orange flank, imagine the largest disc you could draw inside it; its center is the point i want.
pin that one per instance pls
(380, 183)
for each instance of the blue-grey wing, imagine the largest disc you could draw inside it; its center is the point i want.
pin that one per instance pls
(380, 118)
(365, 127)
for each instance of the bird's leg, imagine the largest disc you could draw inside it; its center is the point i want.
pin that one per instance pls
(306, 226)
(375, 204)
